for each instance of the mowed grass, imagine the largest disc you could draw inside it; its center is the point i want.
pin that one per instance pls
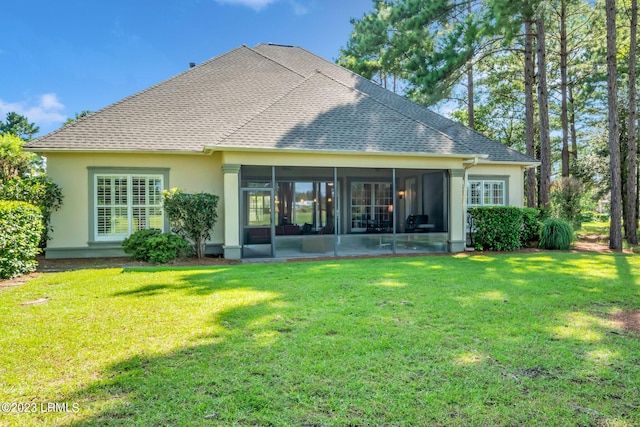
(499, 340)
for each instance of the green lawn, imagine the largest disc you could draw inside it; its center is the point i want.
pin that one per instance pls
(499, 340)
(595, 228)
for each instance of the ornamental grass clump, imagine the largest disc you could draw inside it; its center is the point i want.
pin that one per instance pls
(556, 234)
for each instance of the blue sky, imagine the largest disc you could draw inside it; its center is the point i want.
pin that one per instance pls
(59, 58)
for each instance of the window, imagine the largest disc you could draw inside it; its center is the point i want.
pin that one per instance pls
(370, 203)
(486, 192)
(126, 203)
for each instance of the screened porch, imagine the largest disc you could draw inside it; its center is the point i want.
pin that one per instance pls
(309, 211)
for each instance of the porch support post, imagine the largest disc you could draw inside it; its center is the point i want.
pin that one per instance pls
(457, 238)
(231, 205)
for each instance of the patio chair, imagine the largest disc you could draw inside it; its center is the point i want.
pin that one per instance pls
(418, 224)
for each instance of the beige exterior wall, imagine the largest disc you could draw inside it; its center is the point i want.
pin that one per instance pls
(361, 160)
(195, 173)
(192, 173)
(515, 173)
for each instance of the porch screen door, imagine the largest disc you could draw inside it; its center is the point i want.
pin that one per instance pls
(257, 221)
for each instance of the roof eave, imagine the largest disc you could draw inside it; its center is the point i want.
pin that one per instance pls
(526, 165)
(107, 151)
(214, 148)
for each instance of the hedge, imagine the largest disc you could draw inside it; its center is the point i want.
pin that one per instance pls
(504, 228)
(21, 227)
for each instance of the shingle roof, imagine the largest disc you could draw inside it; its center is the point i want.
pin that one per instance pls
(271, 97)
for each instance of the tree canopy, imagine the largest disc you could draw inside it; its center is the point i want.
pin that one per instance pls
(19, 126)
(498, 65)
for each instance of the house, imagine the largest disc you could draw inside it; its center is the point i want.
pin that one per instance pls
(307, 157)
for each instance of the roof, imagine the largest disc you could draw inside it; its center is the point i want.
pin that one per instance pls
(271, 97)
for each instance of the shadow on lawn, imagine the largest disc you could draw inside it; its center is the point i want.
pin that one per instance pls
(335, 344)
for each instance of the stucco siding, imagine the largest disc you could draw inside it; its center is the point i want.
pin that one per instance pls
(204, 173)
(191, 173)
(515, 174)
(360, 160)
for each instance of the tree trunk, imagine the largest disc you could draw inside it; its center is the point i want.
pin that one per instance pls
(572, 124)
(470, 105)
(631, 215)
(531, 182)
(543, 105)
(563, 88)
(615, 232)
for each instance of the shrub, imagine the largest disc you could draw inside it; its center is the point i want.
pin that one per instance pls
(154, 246)
(136, 244)
(497, 228)
(556, 234)
(192, 216)
(566, 200)
(530, 225)
(37, 190)
(504, 228)
(20, 231)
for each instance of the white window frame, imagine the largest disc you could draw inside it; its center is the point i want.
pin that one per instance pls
(483, 186)
(130, 205)
(376, 204)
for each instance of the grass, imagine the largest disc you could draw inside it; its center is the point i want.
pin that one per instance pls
(596, 228)
(600, 232)
(517, 339)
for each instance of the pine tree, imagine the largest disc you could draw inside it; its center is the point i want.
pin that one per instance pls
(631, 211)
(615, 232)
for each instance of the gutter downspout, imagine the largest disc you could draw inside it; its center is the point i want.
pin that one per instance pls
(465, 180)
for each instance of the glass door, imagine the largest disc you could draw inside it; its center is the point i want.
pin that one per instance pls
(257, 221)
(371, 206)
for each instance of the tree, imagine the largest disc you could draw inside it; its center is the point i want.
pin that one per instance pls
(369, 51)
(83, 113)
(543, 106)
(192, 216)
(22, 178)
(631, 211)
(529, 75)
(564, 113)
(14, 162)
(615, 231)
(19, 126)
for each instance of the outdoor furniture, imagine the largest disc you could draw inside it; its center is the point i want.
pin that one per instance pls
(258, 236)
(418, 224)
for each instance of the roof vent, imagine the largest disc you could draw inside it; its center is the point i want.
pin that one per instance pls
(192, 64)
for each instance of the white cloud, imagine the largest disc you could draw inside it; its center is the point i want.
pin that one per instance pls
(49, 101)
(298, 7)
(45, 110)
(253, 4)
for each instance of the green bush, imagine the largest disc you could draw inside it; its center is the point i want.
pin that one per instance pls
(497, 228)
(530, 225)
(38, 190)
(192, 216)
(566, 200)
(556, 234)
(20, 231)
(602, 217)
(154, 246)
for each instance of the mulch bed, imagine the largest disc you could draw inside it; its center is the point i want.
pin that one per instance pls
(629, 320)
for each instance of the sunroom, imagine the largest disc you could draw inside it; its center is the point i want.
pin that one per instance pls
(292, 211)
